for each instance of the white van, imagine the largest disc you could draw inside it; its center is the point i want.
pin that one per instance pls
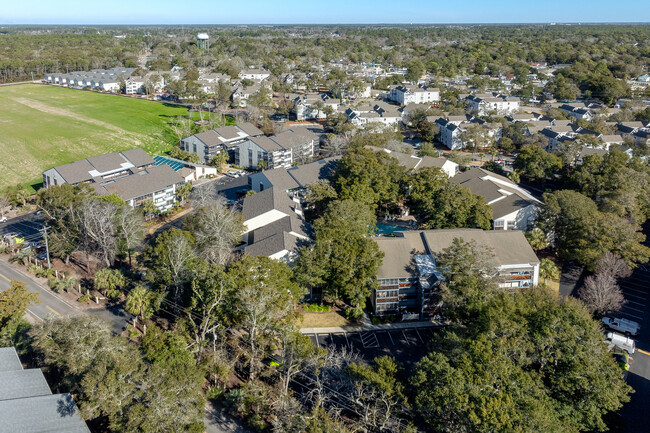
(627, 327)
(621, 342)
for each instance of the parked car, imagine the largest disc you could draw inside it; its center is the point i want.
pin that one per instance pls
(42, 256)
(3, 219)
(616, 340)
(623, 360)
(627, 327)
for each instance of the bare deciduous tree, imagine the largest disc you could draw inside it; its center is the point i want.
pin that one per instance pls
(129, 225)
(613, 265)
(337, 144)
(601, 294)
(216, 229)
(99, 230)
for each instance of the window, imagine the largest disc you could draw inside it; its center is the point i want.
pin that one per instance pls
(498, 224)
(512, 225)
(250, 157)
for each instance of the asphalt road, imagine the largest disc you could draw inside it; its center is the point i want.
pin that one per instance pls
(50, 304)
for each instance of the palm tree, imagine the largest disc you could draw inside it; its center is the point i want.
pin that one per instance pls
(537, 239)
(548, 269)
(141, 302)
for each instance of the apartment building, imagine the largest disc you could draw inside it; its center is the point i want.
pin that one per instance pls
(408, 279)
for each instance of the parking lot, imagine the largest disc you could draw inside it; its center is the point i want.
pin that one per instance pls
(633, 415)
(27, 226)
(407, 346)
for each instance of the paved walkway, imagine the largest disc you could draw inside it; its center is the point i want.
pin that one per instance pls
(381, 327)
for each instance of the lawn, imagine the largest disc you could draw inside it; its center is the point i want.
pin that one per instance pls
(322, 320)
(45, 126)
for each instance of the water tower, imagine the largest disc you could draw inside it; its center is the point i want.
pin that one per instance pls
(203, 41)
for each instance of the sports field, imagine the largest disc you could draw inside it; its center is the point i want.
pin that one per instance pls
(45, 126)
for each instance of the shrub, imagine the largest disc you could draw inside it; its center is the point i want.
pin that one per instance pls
(84, 298)
(214, 393)
(316, 308)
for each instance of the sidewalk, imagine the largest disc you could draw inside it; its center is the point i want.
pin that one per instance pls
(382, 327)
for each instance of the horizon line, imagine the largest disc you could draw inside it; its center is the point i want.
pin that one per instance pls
(549, 23)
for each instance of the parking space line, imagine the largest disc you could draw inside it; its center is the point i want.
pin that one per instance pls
(632, 285)
(317, 342)
(628, 289)
(346, 339)
(632, 308)
(635, 296)
(634, 302)
(631, 315)
(391, 338)
(417, 332)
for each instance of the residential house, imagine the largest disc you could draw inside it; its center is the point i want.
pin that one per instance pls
(411, 94)
(27, 403)
(254, 74)
(500, 104)
(415, 163)
(513, 208)
(577, 112)
(312, 106)
(408, 278)
(379, 112)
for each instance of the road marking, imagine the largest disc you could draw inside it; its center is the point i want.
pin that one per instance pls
(52, 310)
(631, 315)
(635, 296)
(5, 277)
(34, 314)
(634, 302)
(643, 351)
(627, 307)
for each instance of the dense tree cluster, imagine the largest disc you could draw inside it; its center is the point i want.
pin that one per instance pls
(527, 361)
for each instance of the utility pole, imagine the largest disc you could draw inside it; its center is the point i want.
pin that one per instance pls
(47, 247)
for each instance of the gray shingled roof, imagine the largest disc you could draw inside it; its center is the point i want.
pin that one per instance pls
(107, 162)
(308, 174)
(23, 383)
(266, 201)
(9, 360)
(508, 205)
(138, 157)
(151, 180)
(75, 172)
(48, 413)
(398, 252)
(510, 247)
(266, 144)
(228, 132)
(275, 237)
(210, 138)
(250, 129)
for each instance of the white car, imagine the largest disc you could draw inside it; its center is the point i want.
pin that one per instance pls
(616, 340)
(627, 327)
(3, 219)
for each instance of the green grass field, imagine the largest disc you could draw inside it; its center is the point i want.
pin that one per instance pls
(45, 126)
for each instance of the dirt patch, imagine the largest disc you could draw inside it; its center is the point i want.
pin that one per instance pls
(65, 113)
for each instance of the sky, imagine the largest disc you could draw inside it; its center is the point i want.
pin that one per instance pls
(320, 12)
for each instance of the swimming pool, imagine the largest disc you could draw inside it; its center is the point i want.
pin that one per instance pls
(388, 229)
